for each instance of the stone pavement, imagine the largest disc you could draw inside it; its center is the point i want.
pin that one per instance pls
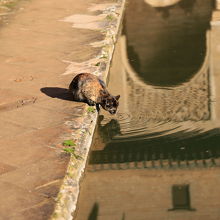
(33, 102)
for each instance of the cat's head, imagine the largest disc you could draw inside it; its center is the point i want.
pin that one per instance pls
(110, 103)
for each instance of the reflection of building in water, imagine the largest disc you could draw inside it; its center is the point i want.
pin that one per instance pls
(150, 114)
(183, 102)
(168, 56)
(159, 3)
(165, 155)
(148, 194)
(156, 44)
(189, 101)
(156, 122)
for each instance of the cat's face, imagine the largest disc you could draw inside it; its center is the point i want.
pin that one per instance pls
(110, 103)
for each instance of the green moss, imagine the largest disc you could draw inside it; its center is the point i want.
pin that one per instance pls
(68, 143)
(8, 4)
(110, 17)
(70, 150)
(91, 109)
(55, 215)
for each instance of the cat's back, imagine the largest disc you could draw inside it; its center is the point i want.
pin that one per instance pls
(88, 84)
(84, 79)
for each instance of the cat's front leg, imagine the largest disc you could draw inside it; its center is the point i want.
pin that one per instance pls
(97, 107)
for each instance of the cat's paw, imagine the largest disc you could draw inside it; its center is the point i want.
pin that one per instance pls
(91, 103)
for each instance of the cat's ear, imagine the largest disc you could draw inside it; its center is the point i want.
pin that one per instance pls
(117, 97)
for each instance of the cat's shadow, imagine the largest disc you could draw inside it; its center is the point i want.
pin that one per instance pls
(56, 92)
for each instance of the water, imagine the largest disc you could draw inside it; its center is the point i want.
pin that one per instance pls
(158, 158)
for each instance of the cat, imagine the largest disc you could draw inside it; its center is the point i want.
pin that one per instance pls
(88, 88)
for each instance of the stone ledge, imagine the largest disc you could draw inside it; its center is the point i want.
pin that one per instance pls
(108, 22)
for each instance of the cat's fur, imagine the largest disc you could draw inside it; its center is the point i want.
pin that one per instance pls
(89, 88)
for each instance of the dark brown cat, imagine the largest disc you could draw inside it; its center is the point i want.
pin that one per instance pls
(89, 88)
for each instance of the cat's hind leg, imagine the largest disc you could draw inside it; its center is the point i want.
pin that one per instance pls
(90, 102)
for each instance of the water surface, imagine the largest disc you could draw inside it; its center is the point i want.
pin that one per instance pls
(158, 158)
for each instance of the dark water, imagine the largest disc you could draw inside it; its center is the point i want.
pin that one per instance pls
(175, 39)
(158, 158)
